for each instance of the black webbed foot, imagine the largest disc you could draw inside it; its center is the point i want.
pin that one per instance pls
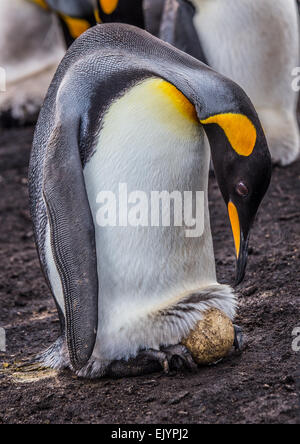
(167, 359)
(179, 358)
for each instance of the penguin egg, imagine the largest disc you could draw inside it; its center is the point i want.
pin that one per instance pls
(211, 339)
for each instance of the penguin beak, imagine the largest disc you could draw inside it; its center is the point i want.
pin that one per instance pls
(242, 260)
(241, 243)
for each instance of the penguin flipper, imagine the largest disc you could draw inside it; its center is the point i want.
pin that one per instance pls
(72, 239)
(177, 28)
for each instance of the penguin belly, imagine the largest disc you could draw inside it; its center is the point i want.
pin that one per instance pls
(150, 139)
(256, 44)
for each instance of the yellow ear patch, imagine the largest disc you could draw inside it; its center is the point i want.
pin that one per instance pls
(75, 26)
(109, 6)
(179, 101)
(239, 130)
(235, 225)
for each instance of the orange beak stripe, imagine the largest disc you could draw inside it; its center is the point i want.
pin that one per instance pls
(235, 225)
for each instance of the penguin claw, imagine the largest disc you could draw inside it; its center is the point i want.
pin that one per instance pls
(238, 339)
(179, 358)
(166, 367)
(158, 356)
(173, 358)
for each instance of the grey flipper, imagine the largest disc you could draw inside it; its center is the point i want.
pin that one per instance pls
(58, 198)
(177, 28)
(101, 65)
(72, 239)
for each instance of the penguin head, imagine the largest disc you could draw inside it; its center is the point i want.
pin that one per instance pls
(242, 164)
(130, 12)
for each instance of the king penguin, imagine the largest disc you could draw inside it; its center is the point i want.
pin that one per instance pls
(31, 47)
(126, 108)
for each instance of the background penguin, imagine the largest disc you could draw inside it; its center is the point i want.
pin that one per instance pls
(121, 11)
(34, 35)
(75, 16)
(124, 107)
(153, 11)
(173, 22)
(255, 43)
(177, 27)
(31, 47)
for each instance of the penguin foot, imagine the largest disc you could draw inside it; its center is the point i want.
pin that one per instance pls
(179, 358)
(167, 359)
(238, 339)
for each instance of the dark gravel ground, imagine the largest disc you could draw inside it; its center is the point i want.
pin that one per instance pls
(260, 386)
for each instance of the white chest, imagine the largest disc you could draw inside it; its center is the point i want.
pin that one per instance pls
(149, 141)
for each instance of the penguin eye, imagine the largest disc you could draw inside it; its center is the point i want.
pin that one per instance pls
(242, 189)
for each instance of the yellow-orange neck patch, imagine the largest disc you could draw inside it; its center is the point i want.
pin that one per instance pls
(239, 130)
(235, 225)
(180, 102)
(109, 6)
(75, 26)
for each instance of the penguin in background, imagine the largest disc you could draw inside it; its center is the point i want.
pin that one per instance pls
(256, 44)
(31, 47)
(75, 16)
(34, 35)
(177, 27)
(126, 108)
(121, 11)
(153, 11)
